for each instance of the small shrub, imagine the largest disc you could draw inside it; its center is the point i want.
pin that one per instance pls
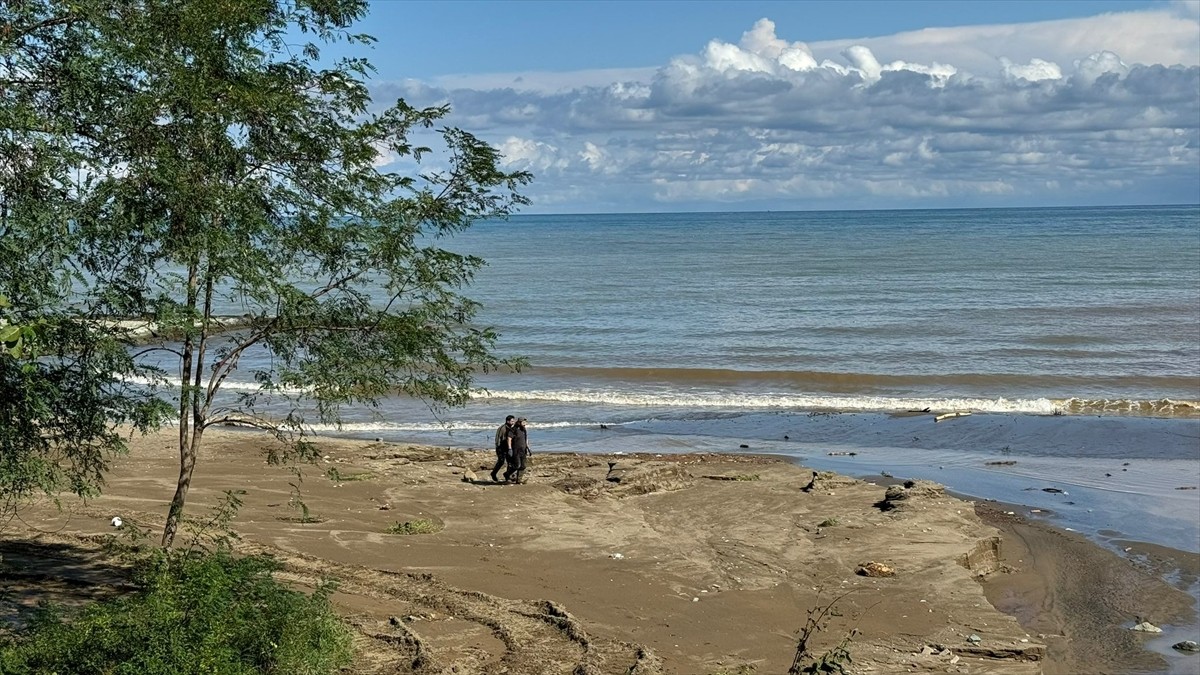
(418, 526)
(195, 612)
(338, 477)
(746, 476)
(828, 522)
(834, 660)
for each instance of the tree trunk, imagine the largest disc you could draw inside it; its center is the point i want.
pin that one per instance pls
(187, 443)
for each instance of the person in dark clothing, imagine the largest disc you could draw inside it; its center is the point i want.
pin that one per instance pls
(502, 446)
(518, 451)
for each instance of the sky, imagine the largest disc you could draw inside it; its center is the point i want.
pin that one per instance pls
(746, 106)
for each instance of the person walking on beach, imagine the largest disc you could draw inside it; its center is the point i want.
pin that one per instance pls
(518, 451)
(502, 446)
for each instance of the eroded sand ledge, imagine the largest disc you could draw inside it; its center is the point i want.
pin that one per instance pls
(689, 564)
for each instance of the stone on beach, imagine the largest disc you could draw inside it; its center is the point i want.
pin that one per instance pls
(875, 569)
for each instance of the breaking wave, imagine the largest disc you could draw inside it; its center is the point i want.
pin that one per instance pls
(788, 401)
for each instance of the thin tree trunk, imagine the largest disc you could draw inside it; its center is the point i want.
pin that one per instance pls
(187, 444)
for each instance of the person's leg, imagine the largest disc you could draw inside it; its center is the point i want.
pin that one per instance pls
(499, 463)
(522, 462)
(510, 467)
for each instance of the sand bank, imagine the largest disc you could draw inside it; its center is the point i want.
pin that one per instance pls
(688, 564)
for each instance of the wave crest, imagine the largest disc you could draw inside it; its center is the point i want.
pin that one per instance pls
(1036, 406)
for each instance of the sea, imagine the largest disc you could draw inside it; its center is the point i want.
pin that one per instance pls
(836, 338)
(1068, 339)
(1070, 335)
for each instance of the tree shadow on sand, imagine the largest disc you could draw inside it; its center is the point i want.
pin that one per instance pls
(33, 573)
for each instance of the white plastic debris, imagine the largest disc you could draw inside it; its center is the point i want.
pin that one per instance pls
(117, 522)
(616, 556)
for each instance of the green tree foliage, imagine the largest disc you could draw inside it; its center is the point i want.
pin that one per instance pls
(165, 158)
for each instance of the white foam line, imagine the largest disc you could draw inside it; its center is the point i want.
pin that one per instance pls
(710, 400)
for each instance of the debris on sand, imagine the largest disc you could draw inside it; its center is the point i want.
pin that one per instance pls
(898, 496)
(875, 569)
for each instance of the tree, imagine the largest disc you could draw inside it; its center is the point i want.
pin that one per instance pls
(206, 160)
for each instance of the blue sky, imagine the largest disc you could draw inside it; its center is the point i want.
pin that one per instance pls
(680, 106)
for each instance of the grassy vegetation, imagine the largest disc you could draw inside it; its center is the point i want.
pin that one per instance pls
(834, 660)
(746, 476)
(828, 522)
(418, 526)
(198, 609)
(305, 518)
(194, 612)
(338, 477)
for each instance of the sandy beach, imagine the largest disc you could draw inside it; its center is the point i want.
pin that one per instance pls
(636, 563)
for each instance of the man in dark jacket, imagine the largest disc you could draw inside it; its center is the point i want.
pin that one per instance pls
(518, 450)
(502, 447)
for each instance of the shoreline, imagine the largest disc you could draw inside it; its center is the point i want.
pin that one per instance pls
(1113, 477)
(684, 547)
(1082, 598)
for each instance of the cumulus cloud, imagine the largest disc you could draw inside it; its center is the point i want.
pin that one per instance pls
(1034, 71)
(1104, 108)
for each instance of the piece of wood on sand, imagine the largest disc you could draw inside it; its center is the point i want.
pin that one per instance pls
(951, 415)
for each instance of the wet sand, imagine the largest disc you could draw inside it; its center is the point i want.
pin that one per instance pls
(695, 563)
(1082, 600)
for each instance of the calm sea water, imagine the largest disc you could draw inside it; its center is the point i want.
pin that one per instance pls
(1022, 310)
(1072, 335)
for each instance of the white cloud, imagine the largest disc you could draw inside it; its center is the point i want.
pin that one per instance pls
(529, 155)
(1094, 66)
(1101, 108)
(1035, 71)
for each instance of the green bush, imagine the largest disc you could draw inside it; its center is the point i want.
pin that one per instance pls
(418, 526)
(206, 612)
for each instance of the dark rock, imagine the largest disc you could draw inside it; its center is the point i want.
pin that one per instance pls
(1186, 646)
